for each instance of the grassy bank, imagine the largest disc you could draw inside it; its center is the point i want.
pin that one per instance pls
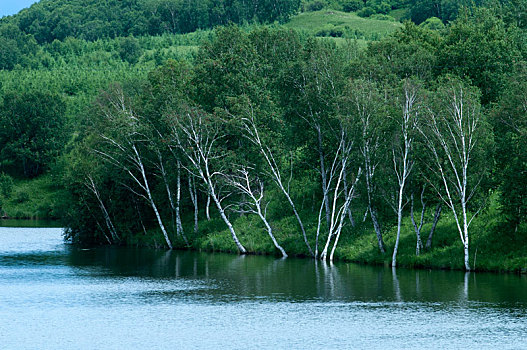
(493, 246)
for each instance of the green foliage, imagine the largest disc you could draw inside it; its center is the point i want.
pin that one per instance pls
(433, 23)
(93, 19)
(32, 131)
(130, 50)
(352, 5)
(366, 11)
(6, 185)
(479, 45)
(446, 10)
(315, 5)
(33, 199)
(509, 119)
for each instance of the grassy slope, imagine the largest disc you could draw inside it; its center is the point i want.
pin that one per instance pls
(360, 28)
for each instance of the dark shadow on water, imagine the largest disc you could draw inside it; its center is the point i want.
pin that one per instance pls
(29, 223)
(234, 277)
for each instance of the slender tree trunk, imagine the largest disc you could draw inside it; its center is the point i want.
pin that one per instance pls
(399, 222)
(324, 253)
(348, 211)
(254, 136)
(347, 203)
(377, 228)
(270, 231)
(417, 228)
(151, 199)
(194, 198)
(318, 227)
(179, 225)
(371, 207)
(465, 234)
(224, 217)
(323, 175)
(207, 208)
(107, 218)
(437, 215)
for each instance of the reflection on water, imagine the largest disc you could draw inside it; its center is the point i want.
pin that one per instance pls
(111, 297)
(246, 277)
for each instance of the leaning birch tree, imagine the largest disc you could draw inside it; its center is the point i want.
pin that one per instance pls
(251, 131)
(122, 144)
(197, 136)
(253, 188)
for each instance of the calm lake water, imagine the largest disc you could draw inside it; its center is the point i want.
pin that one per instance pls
(57, 296)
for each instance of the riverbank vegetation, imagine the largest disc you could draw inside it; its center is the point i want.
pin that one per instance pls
(361, 139)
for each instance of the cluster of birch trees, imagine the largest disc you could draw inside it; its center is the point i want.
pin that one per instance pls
(266, 120)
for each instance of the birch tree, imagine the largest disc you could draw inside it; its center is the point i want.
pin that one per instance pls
(252, 132)
(91, 185)
(122, 139)
(254, 189)
(174, 206)
(402, 153)
(341, 197)
(455, 133)
(197, 136)
(312, 90)
(365, 103)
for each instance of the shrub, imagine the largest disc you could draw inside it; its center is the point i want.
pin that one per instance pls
(366, 12)
(21, 197)
(352, 5)
(315, 5)
(6, 185)
(433, 23)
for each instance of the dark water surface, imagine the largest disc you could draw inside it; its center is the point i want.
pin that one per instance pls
(57, 296)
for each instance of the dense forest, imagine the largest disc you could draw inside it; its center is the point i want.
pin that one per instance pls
(395, 133)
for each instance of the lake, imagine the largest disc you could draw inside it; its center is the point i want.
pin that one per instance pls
(58, 296)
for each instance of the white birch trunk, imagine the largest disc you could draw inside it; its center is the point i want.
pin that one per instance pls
(253, 135)
(417, 228)
(194, 198)
(243, 184)
(347, 203)
(179, 225)
(323, 174)
(151, 199)
(109, 224)
(404, 167)
(453, 133)
(207, 208)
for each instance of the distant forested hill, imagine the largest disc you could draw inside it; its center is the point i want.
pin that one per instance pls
(93, 19)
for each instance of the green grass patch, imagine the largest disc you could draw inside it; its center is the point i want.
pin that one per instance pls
(32, 199)
(331, 23)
